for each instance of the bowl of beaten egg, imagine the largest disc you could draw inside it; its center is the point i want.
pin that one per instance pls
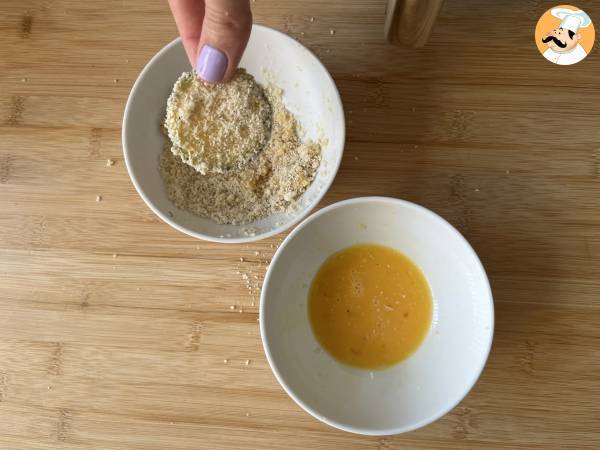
(376, 316)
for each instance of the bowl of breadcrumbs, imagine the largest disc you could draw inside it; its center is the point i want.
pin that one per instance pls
(238, 161)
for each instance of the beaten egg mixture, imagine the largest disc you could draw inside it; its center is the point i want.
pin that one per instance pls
(370, 306)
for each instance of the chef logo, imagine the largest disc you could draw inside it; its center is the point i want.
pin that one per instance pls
(564, 35)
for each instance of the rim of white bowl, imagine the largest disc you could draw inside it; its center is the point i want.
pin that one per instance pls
(297, 399)
(259, 236)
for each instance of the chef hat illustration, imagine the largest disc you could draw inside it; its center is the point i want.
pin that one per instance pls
(570, 19)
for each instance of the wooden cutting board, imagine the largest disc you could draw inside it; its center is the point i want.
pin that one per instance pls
(114, 327)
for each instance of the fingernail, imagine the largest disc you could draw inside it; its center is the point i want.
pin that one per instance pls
(211, 64)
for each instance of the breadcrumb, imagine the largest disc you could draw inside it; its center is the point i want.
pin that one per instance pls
(269, 183)
(217, 127)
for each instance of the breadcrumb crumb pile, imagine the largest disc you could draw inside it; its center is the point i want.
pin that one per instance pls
(268, 183)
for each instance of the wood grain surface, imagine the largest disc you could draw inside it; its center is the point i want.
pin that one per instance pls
(127, 352)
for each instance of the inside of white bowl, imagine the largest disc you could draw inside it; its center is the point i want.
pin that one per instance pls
(309, 92)
(424, 386)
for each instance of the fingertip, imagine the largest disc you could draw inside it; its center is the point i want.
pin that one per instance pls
(212, 64)
(225, 33)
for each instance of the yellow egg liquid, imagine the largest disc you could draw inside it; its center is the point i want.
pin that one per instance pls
(370, 306)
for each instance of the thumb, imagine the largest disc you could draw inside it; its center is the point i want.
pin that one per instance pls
(225, 32)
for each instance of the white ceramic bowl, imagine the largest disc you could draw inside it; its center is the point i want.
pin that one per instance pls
(309, 92)
(414, 392)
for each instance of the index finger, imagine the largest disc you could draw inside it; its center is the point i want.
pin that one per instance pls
(189, 15)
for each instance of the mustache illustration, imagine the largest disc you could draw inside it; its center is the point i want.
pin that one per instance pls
(555, 40)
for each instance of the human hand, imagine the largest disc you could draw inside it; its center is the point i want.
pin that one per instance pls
(214, 34)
